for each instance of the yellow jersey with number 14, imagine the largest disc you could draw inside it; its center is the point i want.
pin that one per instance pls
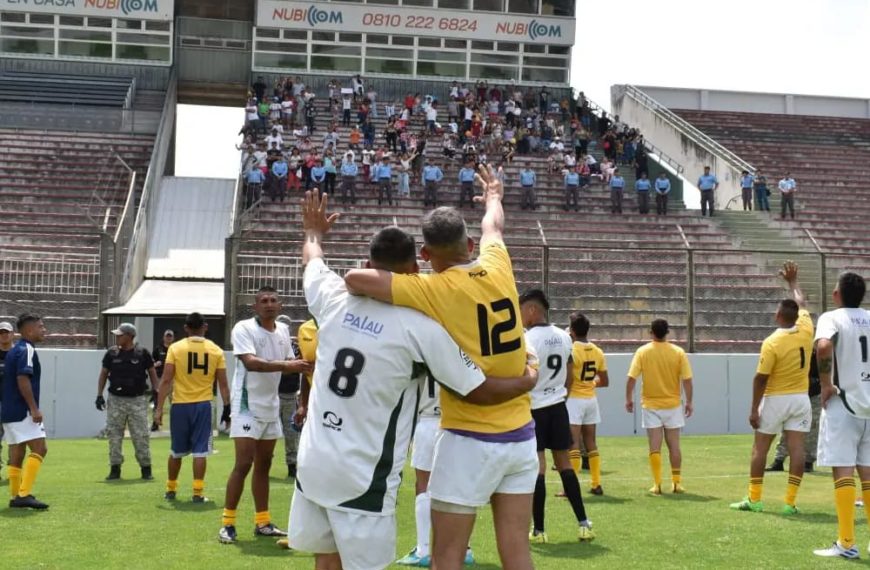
(196, 360)
(785, 358)
(478, 304)
(588, 362)
(307, 340)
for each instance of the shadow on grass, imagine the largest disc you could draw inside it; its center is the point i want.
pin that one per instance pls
(122, 482)
(575, 550)
(266, 547)
(188, 506)
(591, 499)
(17, 513)
(690, 498)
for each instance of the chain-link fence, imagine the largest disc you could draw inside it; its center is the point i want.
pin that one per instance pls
(721, 300)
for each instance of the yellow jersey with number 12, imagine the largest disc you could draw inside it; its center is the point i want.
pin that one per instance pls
(306, 337)
(478, 304)
(588, 362)
(196, 360)
(785, 358)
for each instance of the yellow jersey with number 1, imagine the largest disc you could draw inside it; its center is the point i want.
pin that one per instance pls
(478, 304)
(306, 337)
(785, 358)
(588, 362)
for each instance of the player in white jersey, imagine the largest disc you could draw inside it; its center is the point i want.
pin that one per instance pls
(552, 428)
(263, 351)
(372, 361)
(844, 434)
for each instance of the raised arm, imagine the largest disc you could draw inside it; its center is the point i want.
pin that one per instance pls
(789, 272)
(492, 224)
(315, 223)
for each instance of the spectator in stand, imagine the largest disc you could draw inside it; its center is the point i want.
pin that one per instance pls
(317, 176)
(253, 186)
(642, 186)
(263, 114)
(367, 158)
(432, 176)
(707, 184)
(572, 185)
(762, 192)
(527, 182)
(617, 187)
(641, 165)
(331, 140)
(349, 173)
(391, 135)
(607, 168)
(544, 100)
(663, 188)
(390, 110)
(409, 104)
(384, 177)
(787, 188)
(372, 98)
(594, 167)
(274, 138)
(260, 158)
(310, 115)
(294, 164)
(345, 111)
(278, 179)
(405, 174)
(431, 117)
(368, 131)
(358, 87)
(259, 88)
(331, 172)
(746, 183)
(252, 116)
(466, 184)
(275, 110)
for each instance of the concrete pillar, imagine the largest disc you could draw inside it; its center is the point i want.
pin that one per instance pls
(789, 105)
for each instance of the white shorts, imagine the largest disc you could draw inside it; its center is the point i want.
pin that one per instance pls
(583, 411)
(364, 542)
(467, 471)
(671, 418)
(243, 425)
(25, 430)
(423, 451)
(844, 440)
(790, 412)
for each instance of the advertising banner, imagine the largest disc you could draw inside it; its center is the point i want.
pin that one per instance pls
(133, 9)
(369, 18)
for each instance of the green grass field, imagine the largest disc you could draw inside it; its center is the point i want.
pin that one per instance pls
(95, 524)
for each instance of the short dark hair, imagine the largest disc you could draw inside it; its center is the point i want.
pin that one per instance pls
(852, 289)
(788, 310)
(265, 289)
(579, 324)
(660, 328)
(25, 319)
(536, 296)
(194, 321)
(392, 247)
(444, 228)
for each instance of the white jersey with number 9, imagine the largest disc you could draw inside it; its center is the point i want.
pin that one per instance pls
(554, 348)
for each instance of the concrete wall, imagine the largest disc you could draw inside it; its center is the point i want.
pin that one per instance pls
(749, 102)
(723, 386)
(675, 144)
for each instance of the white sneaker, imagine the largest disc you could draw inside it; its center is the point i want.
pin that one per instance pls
(836, 550)
(859, 502)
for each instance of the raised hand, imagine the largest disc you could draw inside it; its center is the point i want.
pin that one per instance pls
(489, 182)
(314, 216)
(789, 271)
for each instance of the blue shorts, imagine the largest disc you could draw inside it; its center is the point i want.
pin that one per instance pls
(190, 428)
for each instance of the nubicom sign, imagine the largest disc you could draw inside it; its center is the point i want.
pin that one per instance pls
(369, 18)
(134, 9)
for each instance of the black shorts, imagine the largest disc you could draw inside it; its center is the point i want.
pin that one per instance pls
(552, 428)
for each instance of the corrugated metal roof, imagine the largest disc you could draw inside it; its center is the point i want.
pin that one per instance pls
(191, 223)
(161, 297)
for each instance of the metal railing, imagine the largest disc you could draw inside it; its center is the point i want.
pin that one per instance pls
(77, 117)
(687, 128)
(50, 274)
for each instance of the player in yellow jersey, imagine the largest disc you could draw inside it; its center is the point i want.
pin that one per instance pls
(779, 395)
(192, 366)
(306, 338)
(590, 372)
(667, 377)
(483, 453)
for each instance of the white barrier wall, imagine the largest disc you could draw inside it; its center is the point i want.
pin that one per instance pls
(723, 390)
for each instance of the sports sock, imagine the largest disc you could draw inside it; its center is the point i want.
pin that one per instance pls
(794, 483)
(844, 497)
(262, 518)
(423, 511)
(198, 487)
(14, 480)
(756, 486)
(594, 468)
(229, 518)
(171, 485)
(574, 456)
(28, 474)
(655, 465)
(572, 490)
(538, 501)
(676, 476)
(865, 494)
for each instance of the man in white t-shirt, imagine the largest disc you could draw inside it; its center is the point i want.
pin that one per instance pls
(263, 352)
(373, 359)
(844, 433)
(552, 426)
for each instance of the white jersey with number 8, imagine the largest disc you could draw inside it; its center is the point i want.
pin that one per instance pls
(554, 348)
(372, 360)
(849, 330)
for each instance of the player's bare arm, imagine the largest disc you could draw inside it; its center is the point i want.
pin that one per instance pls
(629, 394)
(603, 380)
(499, 390)
(825, 362)
(253, 363)
(164, 391)
(302, 403)
(759, 383)
(569, 376)
(492, 224)
(789, 272)
(27, 394)
(687, 391)
(373, 283)
(316, 223)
